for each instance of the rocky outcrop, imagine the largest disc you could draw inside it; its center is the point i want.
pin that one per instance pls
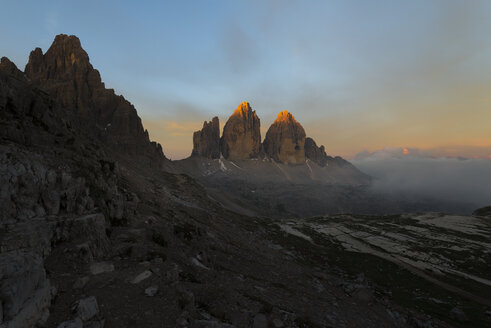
(44, 198)
(41, 207)
(483, 211)
(241, 137)
(27, 115)
(206, 142)
(315, 154)
(65, 72)
(9, 68)
(285, 140)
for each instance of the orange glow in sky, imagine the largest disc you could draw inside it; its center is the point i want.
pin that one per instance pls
(405, 151)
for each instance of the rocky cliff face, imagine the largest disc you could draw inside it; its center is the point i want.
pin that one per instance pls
(315, 154)
(241, 137)
(28, 115)
(66, 74)
(285, 140)
(206, 142)
(54, 186)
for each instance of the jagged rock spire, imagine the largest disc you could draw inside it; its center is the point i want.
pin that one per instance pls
(241, 137)
(206, 142)
(285, 140)
(315, 154)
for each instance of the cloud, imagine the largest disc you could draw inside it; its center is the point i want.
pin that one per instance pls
(457, 180)
(238, 48)
(455, 151)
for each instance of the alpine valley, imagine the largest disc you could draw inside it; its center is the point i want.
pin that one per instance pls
(99, 229)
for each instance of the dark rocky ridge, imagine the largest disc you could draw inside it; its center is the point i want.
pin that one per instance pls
(241, 137)
(9, 68)
(66, 74)
(285, 140)
(206, 142)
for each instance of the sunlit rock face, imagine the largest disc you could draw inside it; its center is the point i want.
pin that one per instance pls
(241, 137)
(65, 72)
(206, 142)
(285, 140)
(315, 154)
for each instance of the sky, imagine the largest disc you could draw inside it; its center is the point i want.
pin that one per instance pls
(358, 75)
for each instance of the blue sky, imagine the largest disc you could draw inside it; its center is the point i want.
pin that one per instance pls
(357, 74)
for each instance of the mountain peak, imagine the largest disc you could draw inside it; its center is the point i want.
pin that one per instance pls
(244, 109)
(241, 137)
(285, 116)
(206, 142)
(66, 38)
(69, 49)
(66, 74)
(285, 140)
(9, 68)
(68, 42)
(64, 58)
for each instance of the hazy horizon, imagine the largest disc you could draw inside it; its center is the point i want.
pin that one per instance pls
(357, 75)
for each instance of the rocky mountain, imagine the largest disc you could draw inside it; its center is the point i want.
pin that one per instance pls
(93, 234)
(278, 178)
(241, 138)
(285, 140)
(206, 142)
(66, 74)
(315, 154)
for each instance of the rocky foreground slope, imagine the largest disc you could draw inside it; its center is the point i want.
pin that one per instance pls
(98, 234)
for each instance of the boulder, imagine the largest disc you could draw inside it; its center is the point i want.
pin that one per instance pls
(101, 267)
(142, 276)
(206, 142)
(151, 291)
(75, 323)
(24, 289)
(241, 138)
(81, 282)
(285, 140)
(87, 308)
(458, 314)
(278, 323)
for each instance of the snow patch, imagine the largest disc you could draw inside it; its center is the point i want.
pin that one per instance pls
(295, 232)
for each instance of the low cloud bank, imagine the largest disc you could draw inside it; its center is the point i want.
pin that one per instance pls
(458, 180)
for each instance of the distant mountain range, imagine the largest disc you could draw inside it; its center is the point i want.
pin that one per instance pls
(457, 152)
